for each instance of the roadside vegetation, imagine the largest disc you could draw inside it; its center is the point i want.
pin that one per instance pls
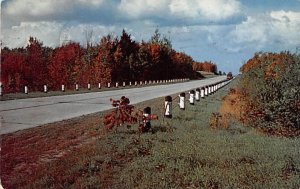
(188, 151)
(268, 94)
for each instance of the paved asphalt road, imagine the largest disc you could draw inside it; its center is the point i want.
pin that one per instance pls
(27, 113)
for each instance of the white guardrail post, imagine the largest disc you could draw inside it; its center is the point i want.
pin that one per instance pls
(182, 101)
(192, 97)
(45, 89)
(1, 89)
(197, 95)
(26, 90)
(168, 107)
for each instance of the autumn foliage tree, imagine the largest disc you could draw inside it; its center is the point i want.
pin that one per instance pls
(104, 61)
(205, 66)
(65, 66)
(36, 64)
(25, 66)
(126, 49)
(182, 65)
(112, 60)
(271, 84)
(13, 70)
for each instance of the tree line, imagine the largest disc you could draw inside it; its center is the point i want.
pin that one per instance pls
(113, 59)
(207, 66)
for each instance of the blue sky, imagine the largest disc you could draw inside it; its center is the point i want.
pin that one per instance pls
(227, 32)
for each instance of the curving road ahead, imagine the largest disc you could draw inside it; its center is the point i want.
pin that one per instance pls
(27, 113)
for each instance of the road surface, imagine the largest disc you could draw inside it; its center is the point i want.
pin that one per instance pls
(27, 113)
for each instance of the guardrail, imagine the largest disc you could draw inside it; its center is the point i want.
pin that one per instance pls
(193, 96)
(77, 87)
(123, 111)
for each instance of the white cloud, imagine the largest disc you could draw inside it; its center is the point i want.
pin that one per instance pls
(286, 16)
(254, 29)
(96, 3)
(52, 33)
(214, 10)
(47, 32)
(158, 12)
(286, 26)
(46, 7)
(77, 33)
(278, 29)
(138, 8)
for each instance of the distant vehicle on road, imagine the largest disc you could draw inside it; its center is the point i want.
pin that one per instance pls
(229, 75)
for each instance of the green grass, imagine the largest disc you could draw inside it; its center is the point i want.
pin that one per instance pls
(192, 155)
(182, 152)
(200, 158)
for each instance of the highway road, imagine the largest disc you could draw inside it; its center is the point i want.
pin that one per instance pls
(27, 113)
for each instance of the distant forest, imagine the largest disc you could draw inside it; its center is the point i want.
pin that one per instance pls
(111, 60)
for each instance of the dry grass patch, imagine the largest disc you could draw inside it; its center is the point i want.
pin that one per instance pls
(233, 108)
(234, 105)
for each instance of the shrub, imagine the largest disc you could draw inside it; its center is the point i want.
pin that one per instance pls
(271, 84)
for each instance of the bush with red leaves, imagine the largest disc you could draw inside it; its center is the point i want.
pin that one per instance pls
(123, 113)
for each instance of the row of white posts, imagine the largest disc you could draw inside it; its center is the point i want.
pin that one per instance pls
(194, 95)
(109, 85)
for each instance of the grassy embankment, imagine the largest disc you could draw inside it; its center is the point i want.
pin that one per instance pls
(183, 152)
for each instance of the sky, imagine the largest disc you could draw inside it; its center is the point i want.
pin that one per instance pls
(226, 32)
